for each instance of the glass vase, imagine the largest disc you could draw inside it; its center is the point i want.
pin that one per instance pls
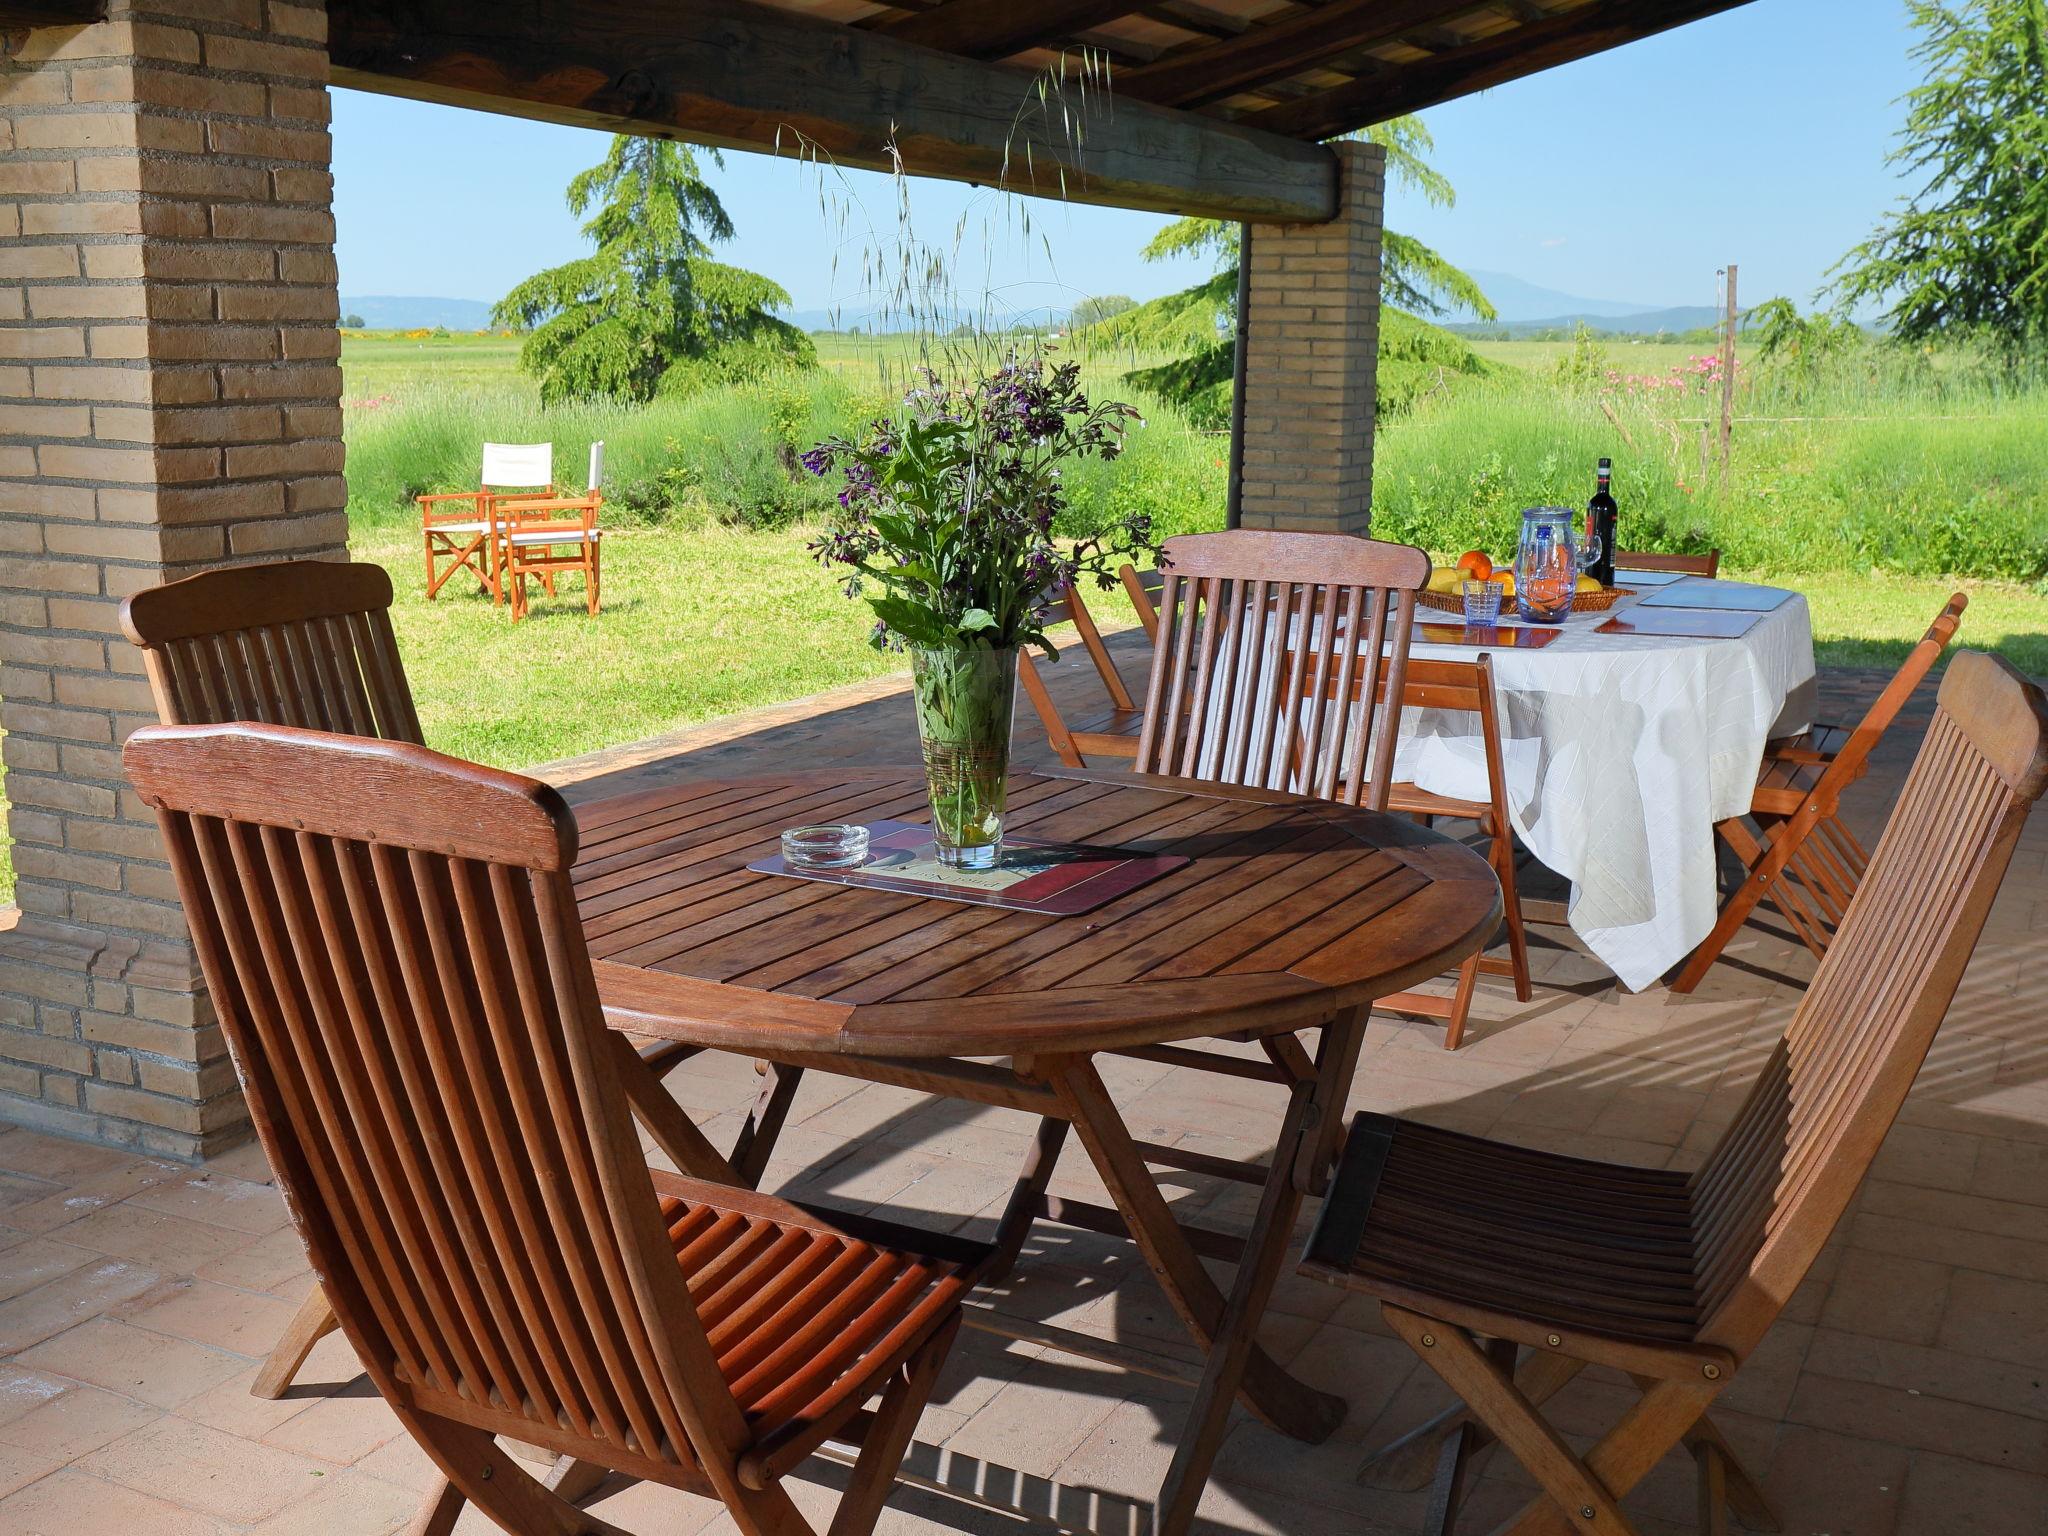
(964, 704)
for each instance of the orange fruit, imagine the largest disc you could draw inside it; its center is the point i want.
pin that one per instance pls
(1478, 563)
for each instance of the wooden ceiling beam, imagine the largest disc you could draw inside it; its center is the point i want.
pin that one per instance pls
(741, 75)
(1197, 75)
(21, 15)
(996, 29)
(1560, 38)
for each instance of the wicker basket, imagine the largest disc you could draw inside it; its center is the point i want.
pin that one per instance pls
(1582, 602)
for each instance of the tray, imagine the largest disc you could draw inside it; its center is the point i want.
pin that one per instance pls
(1505, 637)
(1582, 602)
(1056, 879)
(1682, 623)
(1704, 592)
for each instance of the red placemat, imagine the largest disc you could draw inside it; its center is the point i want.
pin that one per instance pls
(1682, 623)
(1058, 879)
(1501, 637)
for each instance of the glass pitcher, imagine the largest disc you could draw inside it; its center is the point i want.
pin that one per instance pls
(1548, 562)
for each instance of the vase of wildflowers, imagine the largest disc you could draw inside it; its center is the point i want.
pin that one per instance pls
(945, 528)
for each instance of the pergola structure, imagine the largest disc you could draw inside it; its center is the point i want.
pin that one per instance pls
(169, 391)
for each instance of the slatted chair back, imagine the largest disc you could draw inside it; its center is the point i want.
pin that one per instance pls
(392, 943)
(1785, 1171)
(300, 642)
(1263, 641)
(1708, 564)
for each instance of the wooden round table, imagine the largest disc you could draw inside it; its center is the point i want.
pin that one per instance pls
(1291, 915)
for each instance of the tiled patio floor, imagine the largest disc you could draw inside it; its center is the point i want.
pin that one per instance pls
(1902, 1393)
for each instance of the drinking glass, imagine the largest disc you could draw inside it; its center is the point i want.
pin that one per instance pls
(1482, 602)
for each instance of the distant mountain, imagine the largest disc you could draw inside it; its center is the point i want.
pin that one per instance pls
(874, 321)
(1516, 300)
(384, 312)
(1645, 322)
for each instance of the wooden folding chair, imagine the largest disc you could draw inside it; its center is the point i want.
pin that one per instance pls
(545, 536)
(1806, 862)
(1480, 1250)
(1263, 640)
(392, 942)
(1111, 731)
(309, 643)
(1708, 564)
(1261, 643)
(461, 527)
(1466, 686)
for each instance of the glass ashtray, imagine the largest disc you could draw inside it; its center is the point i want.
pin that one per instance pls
(837, 846)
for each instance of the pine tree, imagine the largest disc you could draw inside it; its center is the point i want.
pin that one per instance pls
(1968, 253)
(649, 312)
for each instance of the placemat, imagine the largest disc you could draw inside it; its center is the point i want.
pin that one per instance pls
(1057, 879)
(1681, 623)
(1701, 592)
(1502, 637)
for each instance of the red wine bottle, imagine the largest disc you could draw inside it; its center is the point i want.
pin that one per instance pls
(1600, 524)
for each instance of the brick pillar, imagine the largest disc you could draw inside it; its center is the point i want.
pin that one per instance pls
(1312, 359)
(169, 400)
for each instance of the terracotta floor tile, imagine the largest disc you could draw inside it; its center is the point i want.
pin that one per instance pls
(23, 1391)
(70, 1503)
(1921, 1422)
(346, 1503)
(340, 1428)
(1890, 1297)
(176, 1244)
(245, 1322)
(135, 1362)
(1947, 1497)
(219, 1200)
(216, 1474)
(1820, 1482)
(28, 1264)
(74, 1298)
(229, 1406)
(20, 1466)
(1998, 1317)
(76, 1421)
(275, 1259)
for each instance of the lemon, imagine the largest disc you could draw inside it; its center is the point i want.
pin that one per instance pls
(1588, 584)
(1445, 578)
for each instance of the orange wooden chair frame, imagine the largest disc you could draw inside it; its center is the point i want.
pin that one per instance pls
(1808, 863)
(1708, 564)
(1112, 731)
(414, 1016)
(1466, 686)
(534, 532)
(1508, 1270)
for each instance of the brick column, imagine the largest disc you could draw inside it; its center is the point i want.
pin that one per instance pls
(1312, 359)
(169, 400)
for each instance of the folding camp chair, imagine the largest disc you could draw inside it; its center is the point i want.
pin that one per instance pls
(392, 942)
(1508, 1270)
(1807, 863)
(461, 527)
(1111, 731)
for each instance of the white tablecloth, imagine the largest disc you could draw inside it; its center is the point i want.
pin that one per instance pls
(1621, 753)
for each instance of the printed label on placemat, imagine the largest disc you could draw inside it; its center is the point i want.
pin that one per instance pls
(1061, 879)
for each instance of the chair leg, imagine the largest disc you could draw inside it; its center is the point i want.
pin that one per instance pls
(1730, 922)
(1511, 910)
(1713, 1513)
(590, 579)
(1461, 1002)
(666, 1121)
(313, 1321)
(1454, 1459)
(476, 1471)
(888, 1437)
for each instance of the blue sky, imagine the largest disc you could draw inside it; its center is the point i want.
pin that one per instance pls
(1756, 137)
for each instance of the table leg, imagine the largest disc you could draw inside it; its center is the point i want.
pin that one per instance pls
(1267, 1390)
(756, 1140)
(1315, 1109)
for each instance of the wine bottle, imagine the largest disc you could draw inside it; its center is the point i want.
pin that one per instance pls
(1600, 524)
